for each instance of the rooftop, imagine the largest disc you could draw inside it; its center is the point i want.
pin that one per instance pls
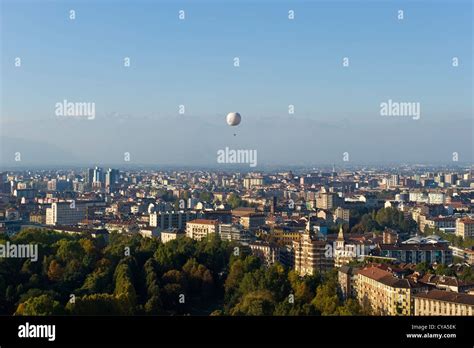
(447, 296)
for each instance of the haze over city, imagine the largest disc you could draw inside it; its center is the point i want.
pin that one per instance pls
(190, 63)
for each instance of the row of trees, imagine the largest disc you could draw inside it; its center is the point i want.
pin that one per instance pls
(128, 275)
(253, 290)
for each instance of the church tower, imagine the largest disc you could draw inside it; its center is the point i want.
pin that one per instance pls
(340, 238)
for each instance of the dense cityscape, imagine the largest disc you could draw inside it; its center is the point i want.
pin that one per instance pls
(327, 241)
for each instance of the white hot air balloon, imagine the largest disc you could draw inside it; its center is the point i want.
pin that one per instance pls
(233, 119)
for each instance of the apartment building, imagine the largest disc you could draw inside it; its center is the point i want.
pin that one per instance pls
(440, 302)
(384, 292)
(70, 212)
(252, 221)
(431, 249)
(200, 228)
(310, 255)
(171, 219)
(465, 228)
(233, 232)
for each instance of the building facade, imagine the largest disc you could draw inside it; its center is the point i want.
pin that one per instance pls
(310, 255)
(171, 219)
(384, 293)
(201, 228)
(465, 228)
(440, 302)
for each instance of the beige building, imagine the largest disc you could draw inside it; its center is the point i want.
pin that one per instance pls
(38, 218)
(441, 222)
(341, 214)
(281, 236)
(252, 182)
(385, 293)
(200, 228)
(267, 252)
(440, 302)
(310, 255)
(252, 221)
(466, 254)
(465, 228)
(327, 200)
(346, 277)
(171, 234)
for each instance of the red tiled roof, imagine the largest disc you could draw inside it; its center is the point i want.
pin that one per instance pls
(447, 296)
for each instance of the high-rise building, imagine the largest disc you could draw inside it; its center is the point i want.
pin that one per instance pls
(89, 177)
(310, 255)
(98, 175)
(111, 178)
(273, 205)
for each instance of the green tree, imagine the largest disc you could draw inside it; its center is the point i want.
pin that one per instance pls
(124, 290)
(41, 305)
(95, 304)
(234, 200)
(255, 303)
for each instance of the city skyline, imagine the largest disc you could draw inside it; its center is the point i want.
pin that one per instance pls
(175, 169)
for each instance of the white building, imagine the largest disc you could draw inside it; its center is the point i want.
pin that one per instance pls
(436, 198)
(69, 212)
(232, 232)
(200, 228)
(168, 235)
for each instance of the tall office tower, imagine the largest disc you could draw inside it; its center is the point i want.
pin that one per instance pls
(273, 206)
(89, 177)
(98, 175)
(111, 178)
(3, 179)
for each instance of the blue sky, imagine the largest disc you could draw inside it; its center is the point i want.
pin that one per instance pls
(282, 62)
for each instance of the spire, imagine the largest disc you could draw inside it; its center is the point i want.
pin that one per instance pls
(340, 235)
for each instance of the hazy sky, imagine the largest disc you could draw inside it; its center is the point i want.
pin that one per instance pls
(191, 62)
